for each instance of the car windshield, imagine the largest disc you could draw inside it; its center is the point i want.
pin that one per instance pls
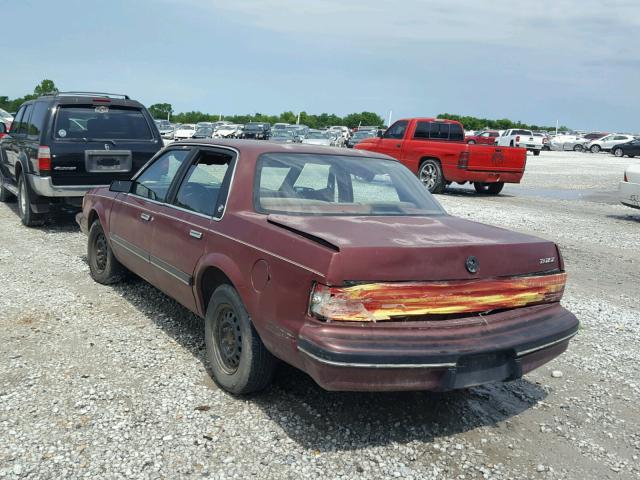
(4, 114)
(283, 133)
(103, 122)
(312, 184)
(317, 135)
(204, 130)
(253, 126)
(187, 127)
(362, 134)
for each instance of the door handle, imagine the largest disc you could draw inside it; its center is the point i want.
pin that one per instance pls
(195, 234)
(145, 217)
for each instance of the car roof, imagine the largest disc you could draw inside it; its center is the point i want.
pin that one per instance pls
(258, 147)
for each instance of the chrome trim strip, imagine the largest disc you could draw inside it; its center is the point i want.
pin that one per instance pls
(375, 365)
(171, 270)
(122, 243)
(550, 344)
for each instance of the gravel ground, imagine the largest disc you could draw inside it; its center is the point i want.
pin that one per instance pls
(102, 382)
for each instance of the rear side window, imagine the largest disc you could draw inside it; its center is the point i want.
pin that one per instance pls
(15, 125)
(203, 187)
(22, 128)
(101, 123)
(38, 117)
(456, 134)
(521, 132)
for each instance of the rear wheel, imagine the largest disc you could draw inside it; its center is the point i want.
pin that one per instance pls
(488, 188)
(103, 265)
(536, 153)
(618, 152)
(595, 148)
(578, 148)
(430, 174)
(28, 217)
(239, 360)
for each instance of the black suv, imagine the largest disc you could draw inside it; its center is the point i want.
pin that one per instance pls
(258, 131)
(63, 144)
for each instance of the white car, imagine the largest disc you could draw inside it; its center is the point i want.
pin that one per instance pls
(344, 131)
(629, 188)
(608, 142)
(568, 142)
(227, 131)
(6, 118)
(328, 138)
(184, 131)
(519, 138)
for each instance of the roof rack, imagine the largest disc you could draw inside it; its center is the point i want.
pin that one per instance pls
(89, 94)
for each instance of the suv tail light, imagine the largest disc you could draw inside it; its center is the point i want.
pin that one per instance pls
(517, 138)
(44, 160)
(463, 159)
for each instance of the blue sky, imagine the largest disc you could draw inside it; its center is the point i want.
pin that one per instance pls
(575, 61)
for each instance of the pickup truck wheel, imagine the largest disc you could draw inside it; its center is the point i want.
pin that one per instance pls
(103, 265)
(595, 148)
(430, 175)
(239, 360)
(488, 188)
(618, 152)
(536, 153)
(5, 195)
(28, 217)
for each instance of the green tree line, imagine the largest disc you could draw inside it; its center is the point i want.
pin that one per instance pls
(165, 110)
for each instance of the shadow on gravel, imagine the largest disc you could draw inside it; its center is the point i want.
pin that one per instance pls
(626, 218)
(61, 221)
(336, 421)
(470, 192)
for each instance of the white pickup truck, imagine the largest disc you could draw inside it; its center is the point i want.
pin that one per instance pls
(519, 138)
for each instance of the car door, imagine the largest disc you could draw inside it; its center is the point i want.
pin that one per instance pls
(11, 145)
(391, 141)
(133, 214)
(183, 224)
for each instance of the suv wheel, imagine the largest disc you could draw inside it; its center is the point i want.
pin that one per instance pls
(103, 265)
(5, 195)
(28, 217)
(618, 152)
(595, 148)
(239, 360)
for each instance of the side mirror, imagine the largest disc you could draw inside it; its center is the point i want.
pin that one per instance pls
(380, 134)
(121, 186)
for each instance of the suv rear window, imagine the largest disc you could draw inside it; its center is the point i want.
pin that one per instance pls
(101, 123)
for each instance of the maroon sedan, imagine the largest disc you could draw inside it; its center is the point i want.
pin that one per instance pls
(486, 137)
(336, 261)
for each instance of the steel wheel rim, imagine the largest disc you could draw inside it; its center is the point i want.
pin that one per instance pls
(22, 199)
(428, 175)
(227, 338)
(100, 255)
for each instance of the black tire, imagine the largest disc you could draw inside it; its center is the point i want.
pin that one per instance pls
(28, 217)
(488, 188)
(578, 148)
(471, 142)
(103, 265)
(536, 153)
(5, 195)
(239, 361)
(618, 152)
(430, 174)
(595, 149)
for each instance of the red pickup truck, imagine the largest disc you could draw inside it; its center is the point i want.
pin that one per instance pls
(435, 150)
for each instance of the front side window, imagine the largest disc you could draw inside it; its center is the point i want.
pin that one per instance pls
(396, 130)
(101, 123)
(312, 184)
(156, 179)
(204, 186)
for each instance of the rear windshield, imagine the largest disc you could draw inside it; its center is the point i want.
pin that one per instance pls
(312, 184)
(521, 132)
(101, 123)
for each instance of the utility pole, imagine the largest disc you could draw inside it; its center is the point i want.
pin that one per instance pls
(298, 120)
(556, 128)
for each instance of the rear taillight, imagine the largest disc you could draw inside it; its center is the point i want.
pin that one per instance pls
(463, 160)
(518, 138)
(44, 160)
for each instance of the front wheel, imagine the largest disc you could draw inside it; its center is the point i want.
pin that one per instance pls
(488, 188)
(578, 148)
(536, 153)
(595, 148)
(28, 217)
(103, 265)
(239, 360)
(430, 174)
(618, 152)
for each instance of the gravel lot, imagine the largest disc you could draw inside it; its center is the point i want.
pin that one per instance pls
(102, 382)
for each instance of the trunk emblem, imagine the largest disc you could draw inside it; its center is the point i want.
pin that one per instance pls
(498, 158)
(472, 264)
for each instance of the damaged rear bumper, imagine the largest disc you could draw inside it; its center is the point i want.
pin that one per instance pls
(435, 355)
